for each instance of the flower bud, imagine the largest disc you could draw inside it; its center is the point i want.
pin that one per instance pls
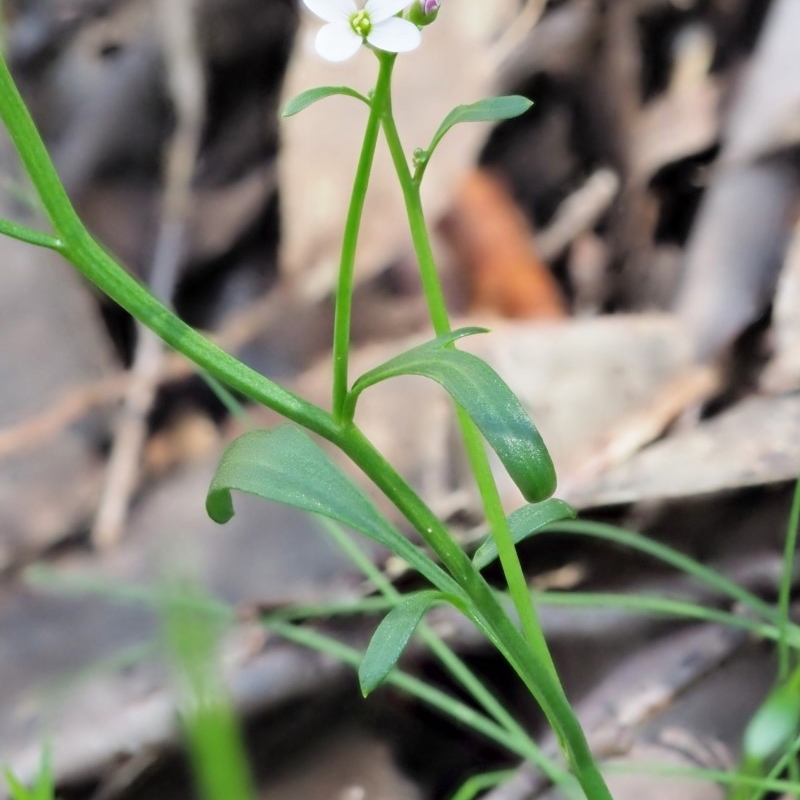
(423, 12)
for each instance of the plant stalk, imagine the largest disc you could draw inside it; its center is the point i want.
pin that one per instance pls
(347, 262)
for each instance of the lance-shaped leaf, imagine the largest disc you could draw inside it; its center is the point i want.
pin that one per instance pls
(775, 724)
(311, 96)
(488, 400)
(391, 637)
(492, 109)
(523, 523)
(286, 466)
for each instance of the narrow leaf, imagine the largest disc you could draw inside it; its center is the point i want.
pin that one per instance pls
(534, 518)
(488, 400)
(391, 637)
(396, 366)
(42, 789)
(775, 724)
(45, 782)
(492, 109)
(284, 465)
(207, 714)
(18, 791)
(311, 96)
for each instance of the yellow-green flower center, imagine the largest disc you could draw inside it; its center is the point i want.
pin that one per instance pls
(361, 23)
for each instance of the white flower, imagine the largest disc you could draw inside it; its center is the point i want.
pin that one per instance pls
(349, 27)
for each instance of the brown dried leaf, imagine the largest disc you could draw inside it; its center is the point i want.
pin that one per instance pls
(495, 250)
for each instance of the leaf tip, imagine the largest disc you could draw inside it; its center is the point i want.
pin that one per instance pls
(367, 684)
(219, 505)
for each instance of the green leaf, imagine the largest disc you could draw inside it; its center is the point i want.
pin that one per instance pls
(482, 393)
(208, 718)
(492, 109)
(284, 465)
(311, 96)
(775, 724)
(18, 791)
(523, 523)
(391, 637)
(44, 786)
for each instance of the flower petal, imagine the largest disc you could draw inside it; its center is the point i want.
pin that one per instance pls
(379, 10)
(332, 10)
(395, 35)
(337, 41)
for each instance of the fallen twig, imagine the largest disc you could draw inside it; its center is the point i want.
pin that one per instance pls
(187, 88)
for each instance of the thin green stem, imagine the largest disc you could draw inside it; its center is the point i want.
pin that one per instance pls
(477, 784)
(229, 400)
(785, 590)
(643, 605)
(667, 555)
(347, 262)
(208, 717)
(495, 514)
(635, 604)
(30, 235)
(620, 767)
(432, 286)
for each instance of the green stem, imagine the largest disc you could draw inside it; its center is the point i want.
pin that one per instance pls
(29, 235)
(478, 784)
(347, 262)
(495, 514)
(208, 718)
(667, 555)
(633, 604)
